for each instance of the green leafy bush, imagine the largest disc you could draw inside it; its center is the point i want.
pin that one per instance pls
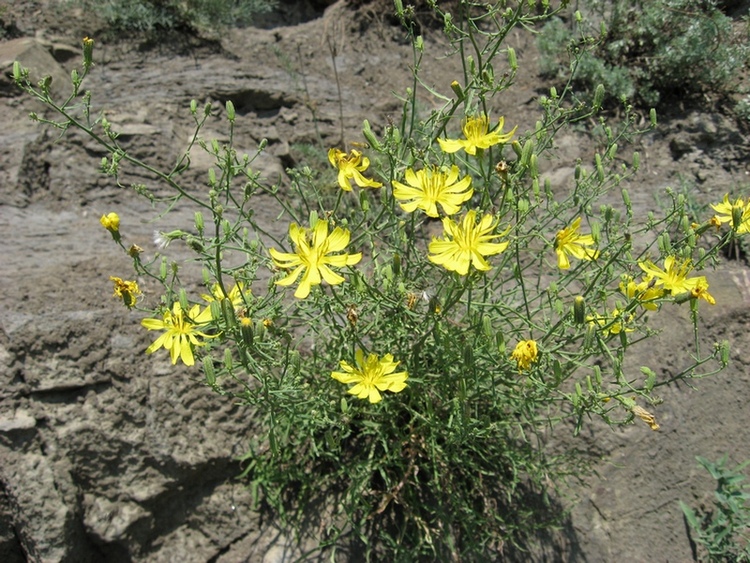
(723, 531)
(653, 50)
(200, 16)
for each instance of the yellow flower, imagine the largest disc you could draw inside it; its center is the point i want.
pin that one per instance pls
(111, 222)
(615, 323)
(180, 332)
(727, 212)
(235, 295)
(466, 244)
(350, 168)
(371, 375)
(646, 292)
(430, 186)
(128, 291)
(700, 291)
(525, 354)
(569, 242)
(478, 136)
(312, 256)
(673, 278)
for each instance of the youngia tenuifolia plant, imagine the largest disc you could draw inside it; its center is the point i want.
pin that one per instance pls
(425, 327)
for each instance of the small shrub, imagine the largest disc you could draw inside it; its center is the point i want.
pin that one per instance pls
(656, 50)
(197, 16)
(724, 531)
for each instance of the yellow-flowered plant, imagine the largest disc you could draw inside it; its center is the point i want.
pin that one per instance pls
(313, 256)
(467, 243)
(126, 290)
(181, 332)
(370, 375)
(350, 167)
(391, 395)
(478, 136)
(525, 353)
(570, 243)
(426, 188)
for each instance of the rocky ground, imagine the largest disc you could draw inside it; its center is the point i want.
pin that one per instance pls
(106, 455)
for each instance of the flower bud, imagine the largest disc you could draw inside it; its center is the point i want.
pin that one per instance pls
(457, 90)
(228, 361)
(370, 136)
(579, 310)
(111, 222)
(512, 60)
(16, 71)
(652, 117)
(209, 371)
(598, 96)
(88, 53)
(231, 114)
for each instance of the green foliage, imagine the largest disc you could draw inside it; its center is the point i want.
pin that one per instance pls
(534, 332)
(147, 16)
(656, 50)
(724, 530)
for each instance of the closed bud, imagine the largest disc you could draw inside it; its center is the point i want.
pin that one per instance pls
(612, 152)
(194, 244)
(215, 306)
(228, 361)
(487, 326)
(533, 166)
(199, 222)
(579, 310)
(313, 218)
(599, 167)
(636, 160)
(16, 71)
(652, 117)
(626, 197)
(193, 106)
(419, 43)
(230, 111)
(512, 60)
(598, 96)
(397, 264)
(246, 330)
(370, 136)
(88, 53)
(468, 357)
(163, 269)
(526, 151)
(725, 352)
(516, 146)
(209, 371)
(207, 109)
(589, 337)
(500, 342)
(553, 93)
(457, 90)
(227, 311)
(183, 300)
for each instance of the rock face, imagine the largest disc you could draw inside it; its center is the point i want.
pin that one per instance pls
(109, 455)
